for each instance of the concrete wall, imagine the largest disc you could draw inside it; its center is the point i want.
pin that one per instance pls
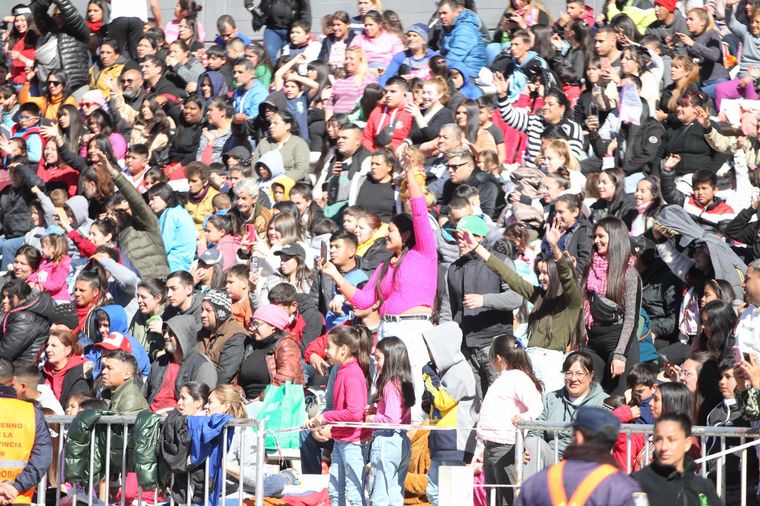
(413, 11)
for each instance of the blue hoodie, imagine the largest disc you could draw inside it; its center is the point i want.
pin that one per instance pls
(468, 89)
(463, 43)
(518, 80)
(206, 437)
(117, 318)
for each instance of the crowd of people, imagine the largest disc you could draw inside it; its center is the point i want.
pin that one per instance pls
(432, 223)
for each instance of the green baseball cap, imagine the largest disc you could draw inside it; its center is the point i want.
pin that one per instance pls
(473, 224)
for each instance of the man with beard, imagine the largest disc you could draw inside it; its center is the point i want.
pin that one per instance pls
(127, 96)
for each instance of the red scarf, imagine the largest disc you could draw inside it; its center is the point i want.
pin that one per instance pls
(82, 313)
(95, 27)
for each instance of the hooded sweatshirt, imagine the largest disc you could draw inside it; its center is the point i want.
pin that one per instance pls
(218, 84)
(273, 161)
(179, 235)
(463, 43)
(55, 379)
(118, 323)
(450, 389)
(195, 366)
(468, 89)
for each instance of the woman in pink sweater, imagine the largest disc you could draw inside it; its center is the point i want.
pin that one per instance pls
(379, 44)
(348, 348)
(404, 286)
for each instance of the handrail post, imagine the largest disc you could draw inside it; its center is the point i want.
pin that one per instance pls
(261, 452)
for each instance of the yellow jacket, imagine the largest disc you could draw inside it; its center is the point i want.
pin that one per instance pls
(200, 210)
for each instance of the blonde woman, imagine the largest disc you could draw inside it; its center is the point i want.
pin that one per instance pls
(556, 154)
(229, 400)
(685, 75)
(433, 115)
(348, 90)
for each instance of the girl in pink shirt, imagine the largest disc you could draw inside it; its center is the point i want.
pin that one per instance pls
(54, 269)
(514, 395)
(389, 458)
(348, 348)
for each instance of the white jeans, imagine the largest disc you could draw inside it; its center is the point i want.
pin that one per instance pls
(547, 365)
(410, 333)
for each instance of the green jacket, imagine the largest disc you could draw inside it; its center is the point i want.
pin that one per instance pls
(141, 238)
(147, 430)
(128, 399)
(77, 459)
(564, 319)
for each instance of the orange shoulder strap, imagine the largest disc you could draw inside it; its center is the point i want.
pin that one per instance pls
(584, 490)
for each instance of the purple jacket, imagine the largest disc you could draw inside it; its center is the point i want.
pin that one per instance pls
(617, 490)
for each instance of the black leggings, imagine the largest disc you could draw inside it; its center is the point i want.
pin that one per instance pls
(602, 340)
(127, 32)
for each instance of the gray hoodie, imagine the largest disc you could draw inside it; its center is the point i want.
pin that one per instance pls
(195, 366)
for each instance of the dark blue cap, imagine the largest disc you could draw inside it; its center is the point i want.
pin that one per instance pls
(597, 420)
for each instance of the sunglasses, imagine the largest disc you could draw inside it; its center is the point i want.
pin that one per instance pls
(126, 81)
(53, 83)
(455, 166)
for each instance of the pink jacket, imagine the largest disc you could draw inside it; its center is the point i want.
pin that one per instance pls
(512, 393)
(416, 281)
(349, 401)
(53, 278)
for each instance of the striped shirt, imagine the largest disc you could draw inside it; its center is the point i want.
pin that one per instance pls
(533, 125)
(346, 93)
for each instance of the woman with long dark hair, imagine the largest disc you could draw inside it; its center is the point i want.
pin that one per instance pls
(184, 10)
(468, 119)
(21, 43)
(146, 325)
(379, 43)
(405, 285)
(55, 94)
(613, 201)
(718, 322)
(611, 305)
(648, 200)
(557, 304)
(71, 126)
(152, 127)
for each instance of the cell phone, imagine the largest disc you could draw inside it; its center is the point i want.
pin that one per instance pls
(593, 110)
(250, 233)
(737, 353)
(409, 97)
(254, 262)
(323, 252)
(605, 62)
(664, 359)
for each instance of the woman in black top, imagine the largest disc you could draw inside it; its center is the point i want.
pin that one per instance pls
(377, 193)
(184, 144)
(428, 121)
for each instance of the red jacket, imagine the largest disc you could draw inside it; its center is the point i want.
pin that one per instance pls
(624, 414)
(380, 118)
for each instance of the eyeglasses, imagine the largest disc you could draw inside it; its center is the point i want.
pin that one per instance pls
(455, 166)
(26, 118)
(685, 374)
(54, 83)
(575, 375)
(87, 104)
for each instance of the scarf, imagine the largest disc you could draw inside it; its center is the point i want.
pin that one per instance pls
(596, 281)
(95, 26)
(641, 221)
(82, 313)
(198, 197)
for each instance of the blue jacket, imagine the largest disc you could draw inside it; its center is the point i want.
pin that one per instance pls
(617, 490)
(468, 89)
(463, 43)
(247, 101)
(179, 234)
(404, 57)
(206, 444)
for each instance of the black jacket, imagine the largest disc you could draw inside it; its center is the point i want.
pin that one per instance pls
(580, 244)
(667, 487)
(660, 297)
(184, 144)
(16, 217)
(282, 13)
(323, 287)
(72, 39)
(469, 274)
(689, 142)
(74, 382)
(327, 44)
(25, 329)
(740, 229)
(374, 256)
(623, 208)
(642, 144)
(174, 450)
(491, 194)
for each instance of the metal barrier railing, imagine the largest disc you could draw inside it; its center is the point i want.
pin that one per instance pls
(748, 440)
(703, 433)
(100, 493)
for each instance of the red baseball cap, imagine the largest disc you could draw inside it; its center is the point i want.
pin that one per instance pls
(115, 341)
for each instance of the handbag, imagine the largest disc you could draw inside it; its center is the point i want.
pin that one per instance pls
(283, 408)
(604, 310)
